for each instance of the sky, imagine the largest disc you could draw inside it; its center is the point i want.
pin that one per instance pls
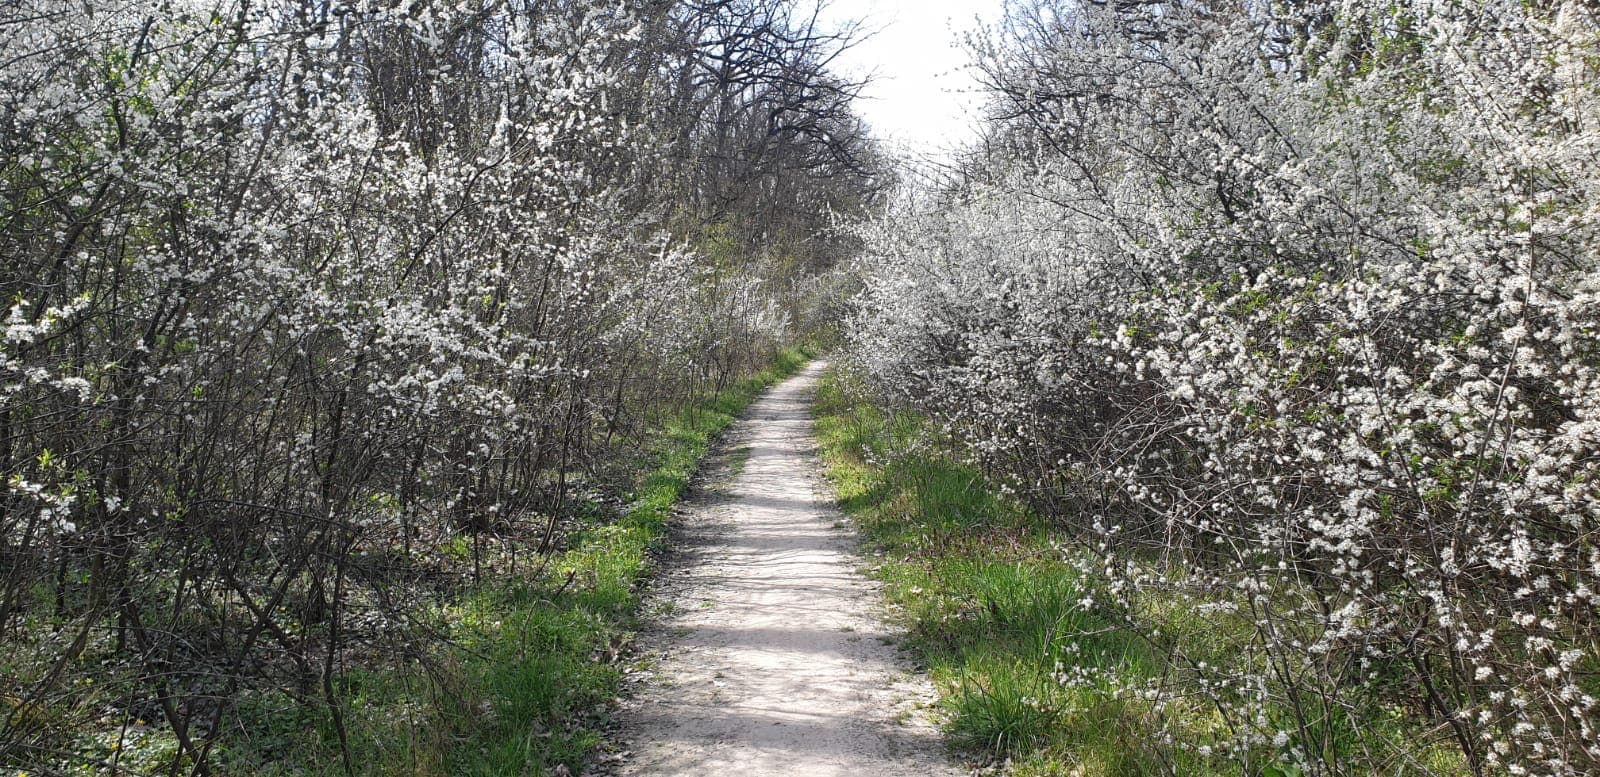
(922, 99)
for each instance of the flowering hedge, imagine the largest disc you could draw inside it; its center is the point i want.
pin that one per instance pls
(1291, 316)
(298, 294)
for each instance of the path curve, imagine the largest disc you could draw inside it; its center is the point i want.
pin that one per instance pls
(772, 659)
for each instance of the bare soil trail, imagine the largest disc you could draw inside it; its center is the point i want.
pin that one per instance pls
(770, 657)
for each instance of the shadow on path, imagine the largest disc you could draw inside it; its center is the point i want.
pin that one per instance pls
(772, 660)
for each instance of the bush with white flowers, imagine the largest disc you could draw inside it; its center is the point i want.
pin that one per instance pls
(298, 292)
(1294, 321)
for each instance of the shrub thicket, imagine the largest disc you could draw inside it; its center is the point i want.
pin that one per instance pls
(307, 303)
(1290, 312)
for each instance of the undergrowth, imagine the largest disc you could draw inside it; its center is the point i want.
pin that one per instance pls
(1033, 669)
(991, 606)
(524, 688)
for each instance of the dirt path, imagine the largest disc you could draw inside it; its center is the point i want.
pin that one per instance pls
(770, 659)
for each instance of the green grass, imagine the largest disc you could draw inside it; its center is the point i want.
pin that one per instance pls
(992, 607)
(526, 689)
(1030, 668)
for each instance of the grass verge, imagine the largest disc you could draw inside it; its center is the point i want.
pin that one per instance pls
(534, 664)
(1007, 628)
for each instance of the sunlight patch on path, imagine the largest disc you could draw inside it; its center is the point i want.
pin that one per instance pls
(774, 661)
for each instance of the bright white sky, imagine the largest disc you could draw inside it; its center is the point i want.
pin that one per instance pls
(923, 98)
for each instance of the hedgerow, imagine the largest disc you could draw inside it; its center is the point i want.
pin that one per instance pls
(1289, 314)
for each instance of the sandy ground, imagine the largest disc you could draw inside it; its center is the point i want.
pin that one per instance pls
(769, 657)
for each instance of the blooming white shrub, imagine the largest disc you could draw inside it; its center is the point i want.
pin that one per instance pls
(293, 286)
(1294, 320)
